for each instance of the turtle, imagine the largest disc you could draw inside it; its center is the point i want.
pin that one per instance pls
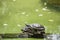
(34, 30)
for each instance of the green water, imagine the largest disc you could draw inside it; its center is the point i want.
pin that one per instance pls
(15, 14)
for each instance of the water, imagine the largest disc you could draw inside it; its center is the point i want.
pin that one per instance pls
(53, 37)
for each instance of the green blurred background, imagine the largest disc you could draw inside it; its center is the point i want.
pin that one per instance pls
(14, 14)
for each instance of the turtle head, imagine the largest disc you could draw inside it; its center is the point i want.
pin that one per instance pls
(27, 25)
